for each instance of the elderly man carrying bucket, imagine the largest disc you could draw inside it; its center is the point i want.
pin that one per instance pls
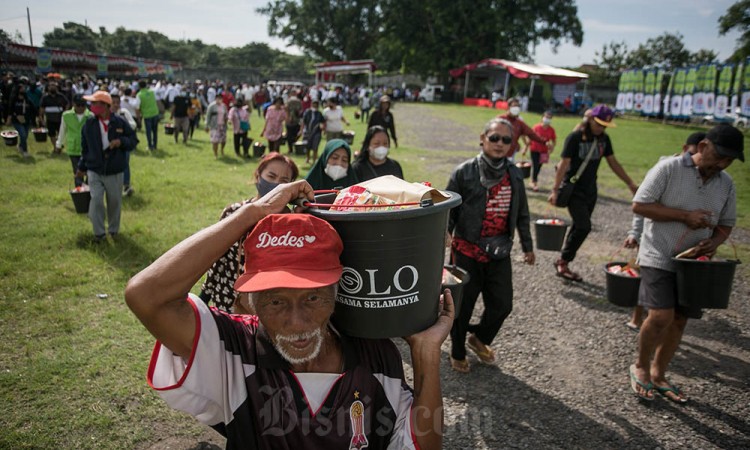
(681, 212)
(286, 377)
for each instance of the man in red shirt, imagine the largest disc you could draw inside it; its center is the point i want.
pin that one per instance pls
(519, 126)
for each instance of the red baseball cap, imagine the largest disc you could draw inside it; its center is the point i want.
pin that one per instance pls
(297, 251)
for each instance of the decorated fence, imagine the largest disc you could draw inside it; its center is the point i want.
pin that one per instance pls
(42, 60)
(718, 90)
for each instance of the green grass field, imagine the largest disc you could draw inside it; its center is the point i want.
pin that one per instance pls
(72, 369)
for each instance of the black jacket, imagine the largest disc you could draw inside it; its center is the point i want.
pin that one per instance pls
(101, 161)
(466, 219)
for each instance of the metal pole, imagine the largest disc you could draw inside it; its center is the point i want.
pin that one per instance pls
(28, 18)
(505, 88)
(466, 85)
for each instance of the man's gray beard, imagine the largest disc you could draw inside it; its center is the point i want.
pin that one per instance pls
(318, 344)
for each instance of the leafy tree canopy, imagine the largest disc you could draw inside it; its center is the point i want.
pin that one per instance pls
(738, 17)
(423, 36)
(155, 45)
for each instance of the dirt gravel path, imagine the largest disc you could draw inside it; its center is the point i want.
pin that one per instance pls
(561, 376)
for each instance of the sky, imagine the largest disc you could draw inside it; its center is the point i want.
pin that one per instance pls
(235, 23)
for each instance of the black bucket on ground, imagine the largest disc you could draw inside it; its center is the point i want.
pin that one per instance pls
(704, 284)
(393, 264)
(622, 290)
(258, 150)
(457, 289)
(300, 148)
(525, 168)
(550, 236)
(348, 136)
(81, 200)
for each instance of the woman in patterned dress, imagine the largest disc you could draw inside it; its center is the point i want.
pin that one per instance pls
(274, 169)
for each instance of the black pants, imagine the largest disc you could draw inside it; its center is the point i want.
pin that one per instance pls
(494, 280)
(581, 207)
(74, 162)
(291, 136)
(241, 138)
(536, 166)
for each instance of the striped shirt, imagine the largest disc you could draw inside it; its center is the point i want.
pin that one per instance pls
(236, 382)
(676, 183)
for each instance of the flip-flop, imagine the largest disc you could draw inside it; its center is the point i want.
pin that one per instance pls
(679, 396)
(460, 365)
(562, 271)
(487, 356)
(635, 382)
(633, 327)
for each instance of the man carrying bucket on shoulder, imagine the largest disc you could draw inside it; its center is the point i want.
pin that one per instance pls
(285, 378)
(688, 201)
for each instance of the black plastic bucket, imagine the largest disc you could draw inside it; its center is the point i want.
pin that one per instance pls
(704, 284)
(622, 290)
(348, 137)
(168, 128)
(81, 200)
(40, 135)
(393, 264)
(525, 168)
(300, 148)
(550, 236)
(258, 149)
(457, 289)
(10, 138)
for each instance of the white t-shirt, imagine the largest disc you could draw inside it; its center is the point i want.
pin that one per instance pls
(333, 119)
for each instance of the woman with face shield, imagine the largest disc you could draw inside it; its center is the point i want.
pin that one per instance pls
(373, 160)
(274, 169)
(332, 170)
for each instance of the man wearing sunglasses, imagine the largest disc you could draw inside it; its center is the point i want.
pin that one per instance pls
(493, 206)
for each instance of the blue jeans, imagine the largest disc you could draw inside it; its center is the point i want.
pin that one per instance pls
(23, 134)
(152, 128)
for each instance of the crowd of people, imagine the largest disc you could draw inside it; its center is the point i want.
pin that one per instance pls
(272, 278)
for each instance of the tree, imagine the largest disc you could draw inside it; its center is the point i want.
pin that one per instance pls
(738, 17)
(612, 58)
(430, 37)
(423, 36)
(73, 36)
(6, 37)
(666, 50)
(328, 30)
(704, 56)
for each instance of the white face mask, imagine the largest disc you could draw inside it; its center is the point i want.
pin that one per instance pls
(515, 110)
(379, 153)
(335, 172)
(546, 121)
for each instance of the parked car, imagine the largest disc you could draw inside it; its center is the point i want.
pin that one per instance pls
(431, 93)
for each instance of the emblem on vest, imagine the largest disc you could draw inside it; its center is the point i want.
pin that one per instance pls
(357, 416)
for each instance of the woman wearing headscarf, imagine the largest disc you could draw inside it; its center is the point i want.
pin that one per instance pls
(373, 160)
(493, 208)
(274, 169)
(332, 169)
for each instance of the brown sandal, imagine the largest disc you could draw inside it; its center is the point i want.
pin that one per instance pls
(460, 365)
(564, 272)
(483, 352)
